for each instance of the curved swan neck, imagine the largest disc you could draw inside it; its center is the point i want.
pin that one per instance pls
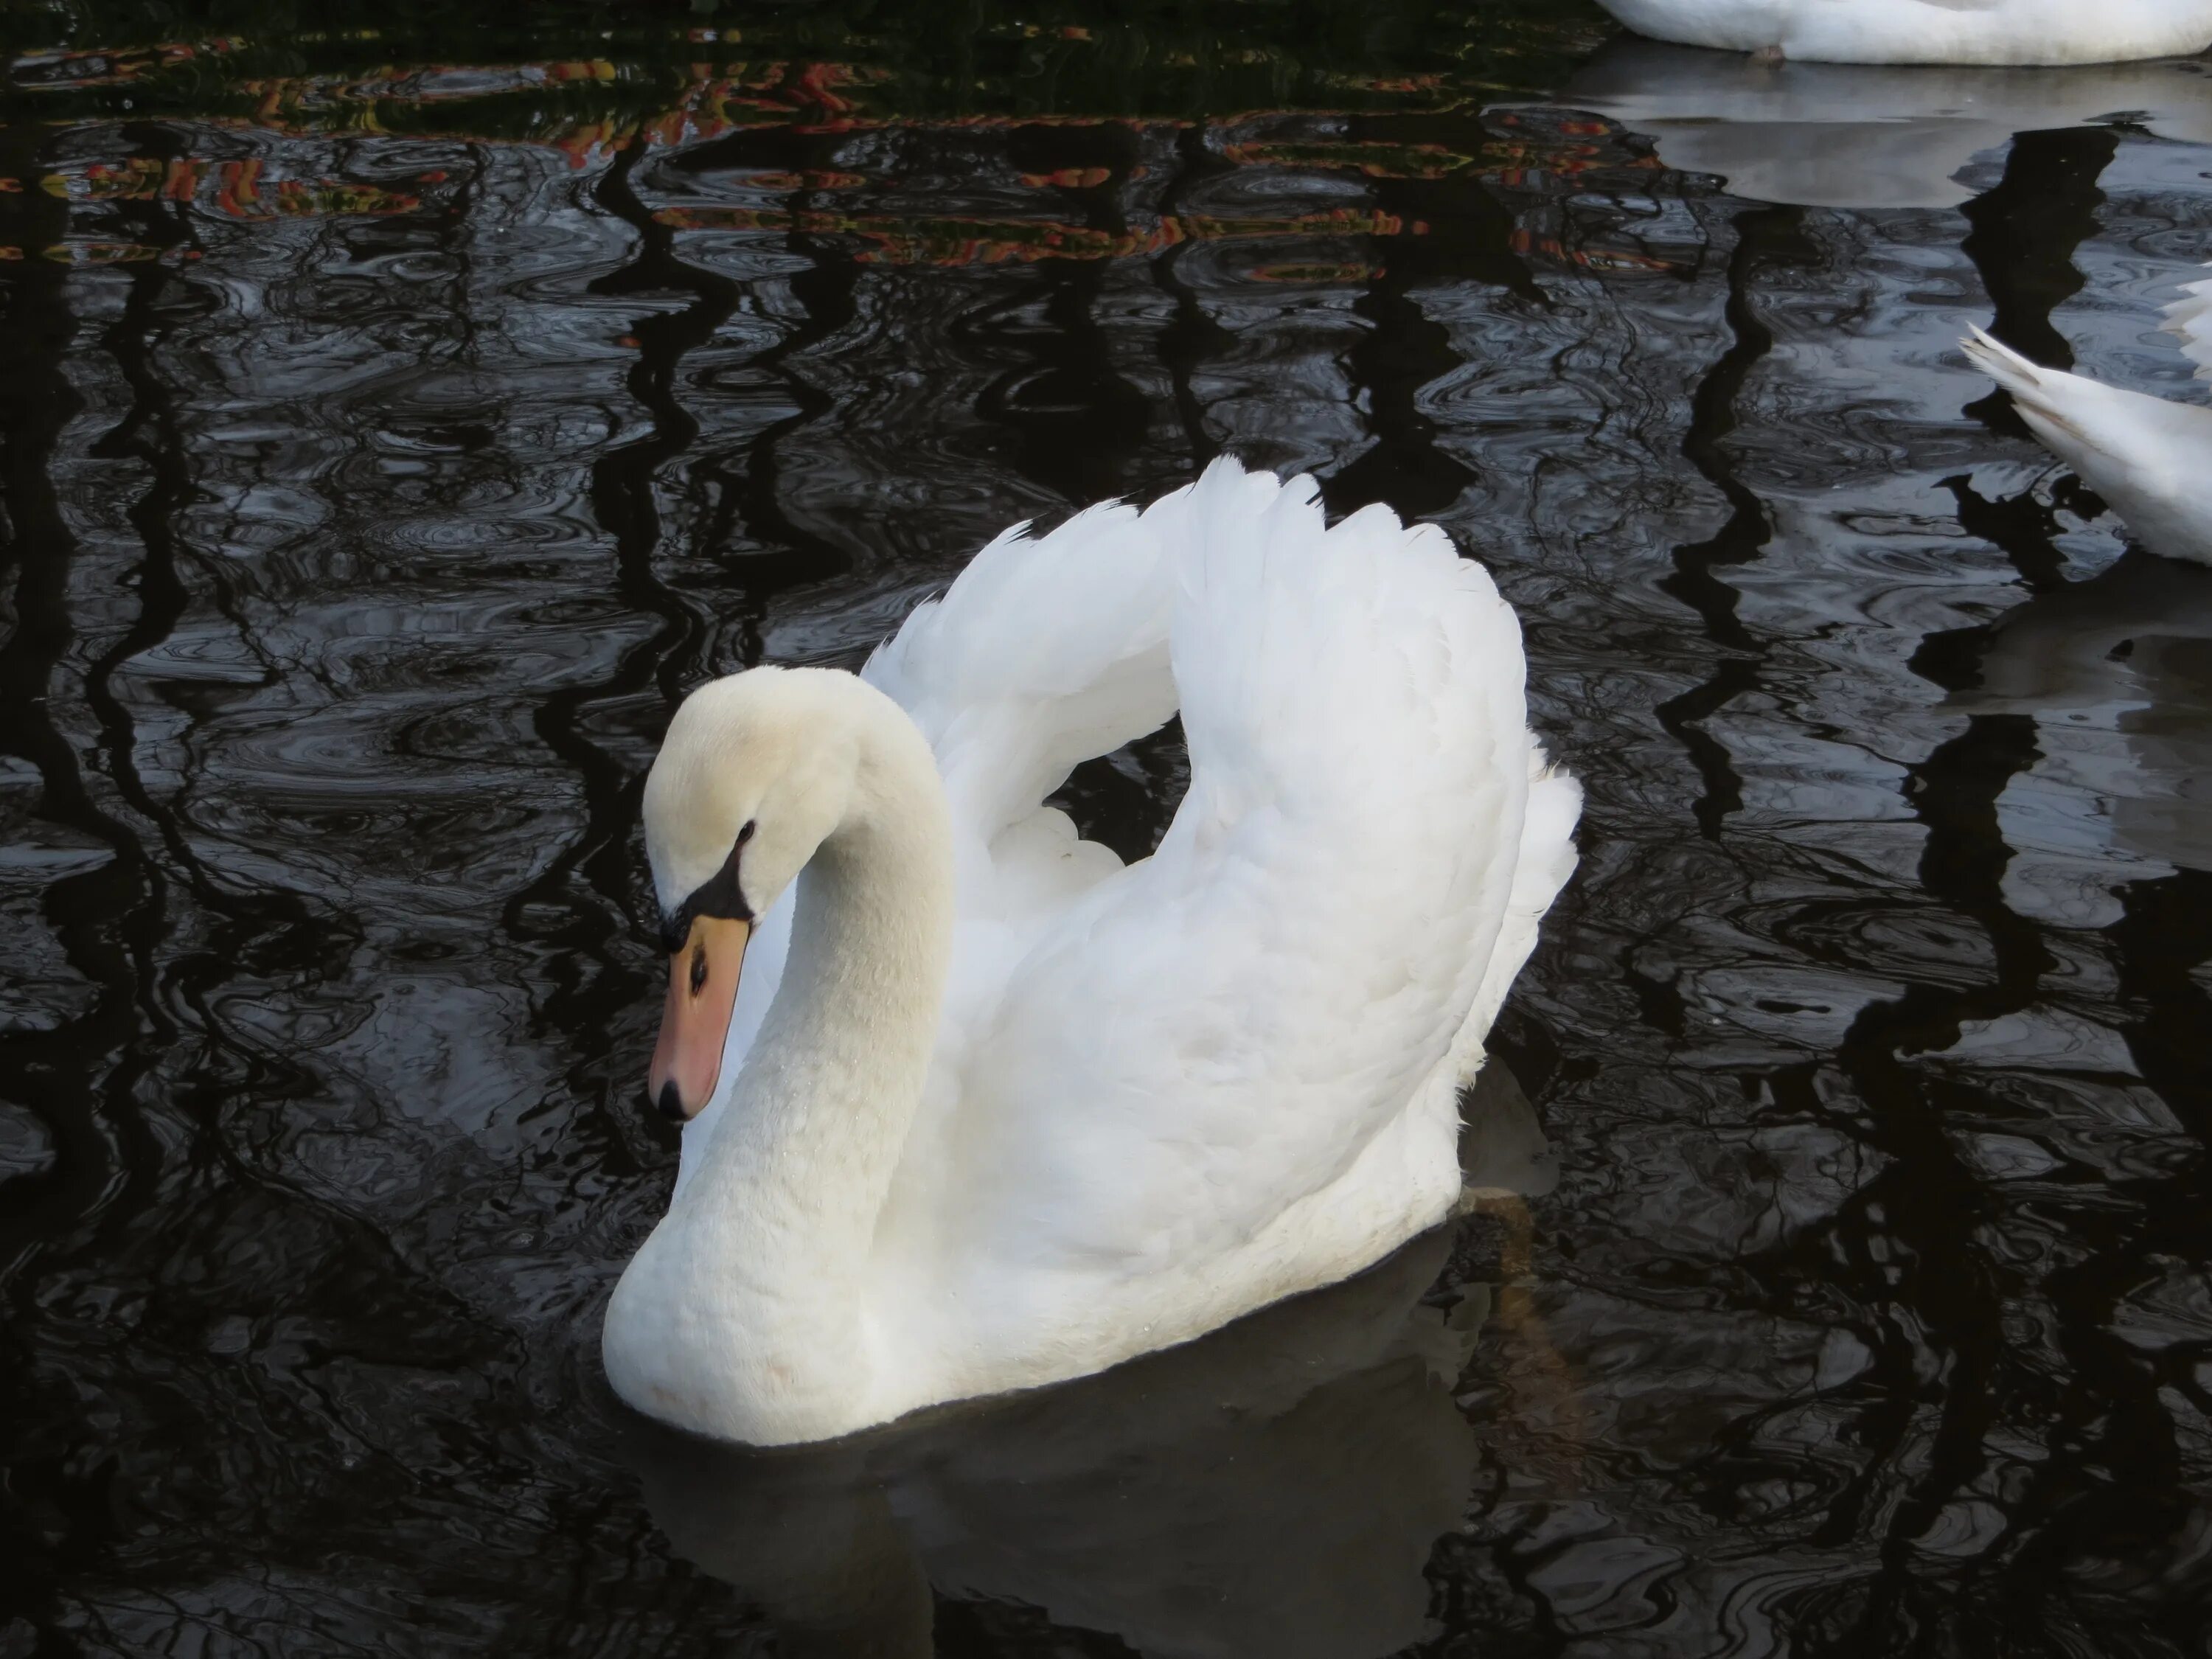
(839, 1064)
(746, 1315)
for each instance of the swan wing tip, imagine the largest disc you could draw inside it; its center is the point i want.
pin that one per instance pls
(2007, 367)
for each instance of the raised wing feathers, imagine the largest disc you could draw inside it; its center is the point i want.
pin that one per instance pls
(1044, 652)
(1223, 1028)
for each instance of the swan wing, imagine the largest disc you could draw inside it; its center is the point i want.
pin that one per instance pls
(1219, 1034)
(1045, 651)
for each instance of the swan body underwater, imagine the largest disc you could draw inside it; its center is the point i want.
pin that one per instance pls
(2028, 32)
(987, 1110)
(2150, 458)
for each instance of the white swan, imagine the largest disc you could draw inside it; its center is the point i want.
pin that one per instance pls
(1929, 31)
(2149, 458)
(993, 1111)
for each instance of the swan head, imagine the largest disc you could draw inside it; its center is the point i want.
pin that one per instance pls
(757, 770)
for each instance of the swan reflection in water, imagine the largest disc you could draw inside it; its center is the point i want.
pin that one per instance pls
(2116, 672)
(1867, 135)
(1275, 1487)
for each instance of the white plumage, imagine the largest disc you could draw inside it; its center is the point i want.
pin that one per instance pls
(2043, 32)
(2148, 457)
(1147, 1099)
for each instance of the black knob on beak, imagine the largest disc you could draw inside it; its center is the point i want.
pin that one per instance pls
(670, 1104)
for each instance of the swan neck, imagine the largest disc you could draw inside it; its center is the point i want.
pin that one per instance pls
(786, 1198)
(747, 1315)
(838, 1068)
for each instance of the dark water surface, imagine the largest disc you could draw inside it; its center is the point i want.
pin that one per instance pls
(397, 423)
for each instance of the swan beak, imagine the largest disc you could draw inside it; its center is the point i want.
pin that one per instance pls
(702, 990)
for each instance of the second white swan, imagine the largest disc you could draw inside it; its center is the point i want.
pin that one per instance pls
(988, 1109)
(2045, 31)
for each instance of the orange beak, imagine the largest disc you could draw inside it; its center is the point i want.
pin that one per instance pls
(695, 1022)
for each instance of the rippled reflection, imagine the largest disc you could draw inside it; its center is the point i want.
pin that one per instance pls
(1276, 1487)
(1859, 137)
(398, 428)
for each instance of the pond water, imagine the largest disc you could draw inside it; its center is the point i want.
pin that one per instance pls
(402, 413)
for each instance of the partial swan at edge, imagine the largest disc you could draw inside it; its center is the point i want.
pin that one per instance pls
(2148, 457)
(2039, 31)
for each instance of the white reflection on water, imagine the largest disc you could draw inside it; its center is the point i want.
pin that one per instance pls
(1864, 135)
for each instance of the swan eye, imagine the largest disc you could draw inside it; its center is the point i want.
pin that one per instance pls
(698, 970)
(721, 894)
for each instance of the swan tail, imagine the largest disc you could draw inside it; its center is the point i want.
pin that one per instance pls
(1046, 651)
(2063, 409)
(2143, 455)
